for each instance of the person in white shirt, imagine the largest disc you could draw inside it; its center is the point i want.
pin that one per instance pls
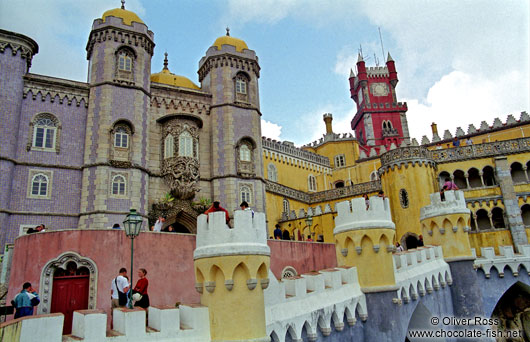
(119, 284)
(244, 206)
(159, 223)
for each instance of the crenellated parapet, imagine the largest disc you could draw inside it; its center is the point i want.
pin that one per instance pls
(313, 302)
(232, 270)
(405, 156)
(506, 259)
(19, 43)
(419, 272)
(445, 222)
(364, 236)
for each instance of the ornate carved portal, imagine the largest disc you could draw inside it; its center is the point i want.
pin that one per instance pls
(177, 212)
(46, 279)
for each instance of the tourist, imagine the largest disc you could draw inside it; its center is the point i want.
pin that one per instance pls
(381, 194)
(25, 301)
(159, 223)
(244, 206)
(285, 235)
(366, 201)
(216, 206)
(141, 288)
(469, 142)
(169, 229)
(399, 248)
(456, 142)
(309, 238)
(420, 241)
(277, 232)
(449, 184)
(119, 288)
(439, 146)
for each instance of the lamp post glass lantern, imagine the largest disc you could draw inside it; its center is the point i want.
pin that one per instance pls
(309, 222)
(132, 225)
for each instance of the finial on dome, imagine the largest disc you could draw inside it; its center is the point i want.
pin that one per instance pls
(165, 61)
(122, 4)
(228, 31)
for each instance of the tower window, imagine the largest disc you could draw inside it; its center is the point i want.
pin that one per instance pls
(246, 193)
(241, 82)
(244, 153)
(118, 185)
(39, 185)
(241, 85)
(121, 137)
(404, 198)
(185, 144)
(125, 65)
(312, 183)
(286, 206)
(45, 130)
(272, 172)
(124, 62)
(169, 143)
(340, 160)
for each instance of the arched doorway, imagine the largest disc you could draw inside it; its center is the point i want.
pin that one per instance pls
(513, 310)
(420, 321)
(409, 241)
(70, 292)
(182, 222)
(65, 282)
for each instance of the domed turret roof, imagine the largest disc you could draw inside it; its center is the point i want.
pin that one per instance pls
(127, 16)
(239, 44)
(166, 77)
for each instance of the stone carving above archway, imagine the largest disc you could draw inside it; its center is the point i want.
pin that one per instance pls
(46, 279)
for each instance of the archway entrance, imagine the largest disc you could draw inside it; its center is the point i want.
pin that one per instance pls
(420, 321)
(70, 292)
(513, 311)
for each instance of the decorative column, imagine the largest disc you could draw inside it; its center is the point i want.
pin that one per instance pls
(231, 270)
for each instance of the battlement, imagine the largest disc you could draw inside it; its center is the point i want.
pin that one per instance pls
(333, 137)
(455, 203)
(377, 71)
(313, 301)
(420, 271)
(506, 259)
(292, 151)
(377, 215)
(215, 238)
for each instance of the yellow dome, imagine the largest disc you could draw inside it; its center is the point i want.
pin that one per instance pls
(127, 16)
(166, 77)
(227, 40)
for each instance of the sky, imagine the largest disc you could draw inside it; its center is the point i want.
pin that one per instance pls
(459, 62)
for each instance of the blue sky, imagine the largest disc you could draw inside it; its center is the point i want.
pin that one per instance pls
(459, 62)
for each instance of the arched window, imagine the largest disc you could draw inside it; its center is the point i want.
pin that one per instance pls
(121, 137)
(442, 177)
(244, 153)
(124, 61)
(246, 194)
(404, 198)
(483, 221)
(169, 146)
(286, 206)
(241, 87)
(518, 174)
(339, 184)
(474, 178)
(125, 64)
(272, 173)
(488, 176)
(312, 183)
(497, 218)
(460, 179)
(525, 213)
(374, 176)
(185, 144)
(118, 185)
(39, 185)
(44, 135)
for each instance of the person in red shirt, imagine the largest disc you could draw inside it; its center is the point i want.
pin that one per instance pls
(141, 288)
(217, 207)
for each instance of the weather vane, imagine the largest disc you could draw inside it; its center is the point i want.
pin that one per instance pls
(228, 31)
(122, 4)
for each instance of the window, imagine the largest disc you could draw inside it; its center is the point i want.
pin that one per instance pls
(118, 185)
(246, 194)
(185, 144)
(312, 183)
(404, 198)
(39, 185)
(44, 133)
(340, 160)
(124, 61)
(272, 173)
(286, 206)
(169, 143)
(244, 153)
(121, 137)
(241, 85)
(374, 176)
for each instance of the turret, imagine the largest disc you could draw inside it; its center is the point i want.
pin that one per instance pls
(230, 72)
(364, 238)
(391, 70)
(231, 270)
(328, 118)
(445, 222)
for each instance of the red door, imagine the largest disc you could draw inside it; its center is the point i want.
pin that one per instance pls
(69, 293)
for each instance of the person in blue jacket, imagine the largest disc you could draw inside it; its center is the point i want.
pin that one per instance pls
(25, 301)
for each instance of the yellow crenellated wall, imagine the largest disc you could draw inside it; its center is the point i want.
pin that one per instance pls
(491, 239)
(454, 244)
(366, 257)
(236, 313)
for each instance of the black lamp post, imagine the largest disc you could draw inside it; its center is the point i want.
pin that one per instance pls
(309, 222)
(132, 225)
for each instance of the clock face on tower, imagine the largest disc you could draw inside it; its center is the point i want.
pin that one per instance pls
(379, 89)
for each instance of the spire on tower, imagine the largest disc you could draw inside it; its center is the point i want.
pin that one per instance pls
(228, 31)
(165, 61)
(360, 58)
(389, 58)
(352, 74)
(122, 4)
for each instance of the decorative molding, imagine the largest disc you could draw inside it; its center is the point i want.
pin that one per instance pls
(180, 105)
(65, 92)
(114, 33)
(46, 279)
(294, 152)
(18, 42)
(221, 60)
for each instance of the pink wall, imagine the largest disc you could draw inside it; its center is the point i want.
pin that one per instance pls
(168, 258)
(303, 256)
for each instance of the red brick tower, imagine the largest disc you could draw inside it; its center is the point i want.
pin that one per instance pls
(380, 120)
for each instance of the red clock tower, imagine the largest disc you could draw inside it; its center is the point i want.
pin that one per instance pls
(380, 120)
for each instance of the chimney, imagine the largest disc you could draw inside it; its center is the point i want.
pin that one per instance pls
(434, 129)
(328, 117)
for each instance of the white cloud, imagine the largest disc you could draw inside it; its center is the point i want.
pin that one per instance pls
(270, 130)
